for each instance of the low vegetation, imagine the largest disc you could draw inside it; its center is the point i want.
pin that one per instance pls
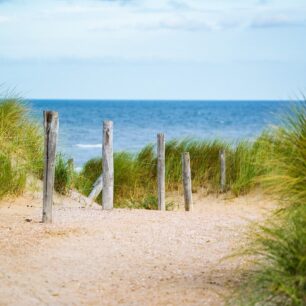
(64, 175)
(21, 151)
(20, 147)
(136, 176)
(281, 245)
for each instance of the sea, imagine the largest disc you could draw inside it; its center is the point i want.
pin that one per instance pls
(136, 123)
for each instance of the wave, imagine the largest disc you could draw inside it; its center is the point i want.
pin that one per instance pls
(89, 146)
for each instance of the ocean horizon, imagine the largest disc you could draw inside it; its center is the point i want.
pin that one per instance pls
(136, 122)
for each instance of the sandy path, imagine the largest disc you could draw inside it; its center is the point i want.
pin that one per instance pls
(123, 257)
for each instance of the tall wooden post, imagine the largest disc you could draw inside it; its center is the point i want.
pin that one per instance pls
(187, 181)
(161, 171)
(223, 170)
(51, 132)
(108, 166)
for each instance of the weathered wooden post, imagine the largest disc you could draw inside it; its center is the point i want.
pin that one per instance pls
(223, 170)
(97, 188)
(51, 132)
(108, 166)
(161, 171)
(187, 181)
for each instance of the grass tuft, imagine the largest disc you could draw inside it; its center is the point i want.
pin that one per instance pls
(64, 175)
(20, 146)
(281, 244)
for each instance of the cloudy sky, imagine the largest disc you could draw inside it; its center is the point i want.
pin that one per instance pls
(154, 49)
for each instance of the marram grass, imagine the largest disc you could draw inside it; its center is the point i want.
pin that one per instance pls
(287, 164)
(20, 146)
(280, 274)
(21, 151)
(281, 244)
(136, 174)
(64, 175)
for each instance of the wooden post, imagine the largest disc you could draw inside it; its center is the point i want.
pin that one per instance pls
(187, 181)
(223, 170)
(97, 188)
(108, 166)
(161, 171)
(51, 132)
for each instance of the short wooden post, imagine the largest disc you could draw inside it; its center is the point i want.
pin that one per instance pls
(51, 132)
(108, 166)
(161, 171)
(187, 181)
(223, 170)
(97, 188)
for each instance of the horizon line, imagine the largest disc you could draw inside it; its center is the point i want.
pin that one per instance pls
(162, 100)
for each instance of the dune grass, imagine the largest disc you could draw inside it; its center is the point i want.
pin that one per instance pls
(20, 146)
(21, 151)
(281, 244)
(64, 175)
(136, 174)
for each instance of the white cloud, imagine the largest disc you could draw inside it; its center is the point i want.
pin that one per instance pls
(176, 15)
(179, 29)
(275, 21)
(153, 23)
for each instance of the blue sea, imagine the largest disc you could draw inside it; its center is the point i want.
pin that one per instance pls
(136, 123)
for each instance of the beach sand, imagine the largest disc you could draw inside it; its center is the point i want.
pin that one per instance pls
(125, 257)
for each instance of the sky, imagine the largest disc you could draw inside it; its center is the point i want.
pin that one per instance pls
(153, 49)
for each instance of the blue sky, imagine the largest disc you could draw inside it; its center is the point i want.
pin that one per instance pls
(154, 49)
